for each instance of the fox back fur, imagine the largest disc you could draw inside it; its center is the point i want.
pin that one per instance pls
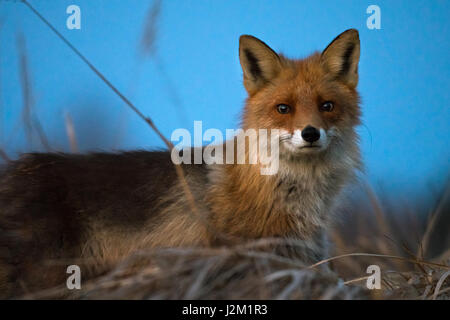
(95, 209)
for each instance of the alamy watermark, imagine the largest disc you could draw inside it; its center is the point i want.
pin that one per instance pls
(74, 20)
(74, 280)
(250, 146)
(374, 20)
(374, 280)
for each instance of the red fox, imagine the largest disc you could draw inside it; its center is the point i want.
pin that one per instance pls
(61, 209)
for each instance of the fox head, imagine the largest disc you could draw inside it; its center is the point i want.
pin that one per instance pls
(312, 101)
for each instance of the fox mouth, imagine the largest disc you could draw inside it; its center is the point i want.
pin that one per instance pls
(314, 148)
(306, 149)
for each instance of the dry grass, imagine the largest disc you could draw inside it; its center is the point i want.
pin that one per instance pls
(222, 273)
(399, 242)
(250, 272)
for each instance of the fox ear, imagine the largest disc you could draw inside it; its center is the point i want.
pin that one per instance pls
(341, 57)
(259, 63)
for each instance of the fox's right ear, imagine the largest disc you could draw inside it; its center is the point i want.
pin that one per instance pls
(259, 63)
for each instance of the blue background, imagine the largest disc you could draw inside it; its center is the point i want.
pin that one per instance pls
(195, 74)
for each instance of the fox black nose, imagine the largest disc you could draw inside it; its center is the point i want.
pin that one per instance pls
(310, 134)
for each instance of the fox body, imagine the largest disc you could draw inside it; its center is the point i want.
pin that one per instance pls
(95, 209)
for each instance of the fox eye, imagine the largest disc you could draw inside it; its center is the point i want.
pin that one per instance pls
(283, 108)
(327, 106)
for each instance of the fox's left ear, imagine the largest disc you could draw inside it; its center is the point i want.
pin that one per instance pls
(341, 57)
